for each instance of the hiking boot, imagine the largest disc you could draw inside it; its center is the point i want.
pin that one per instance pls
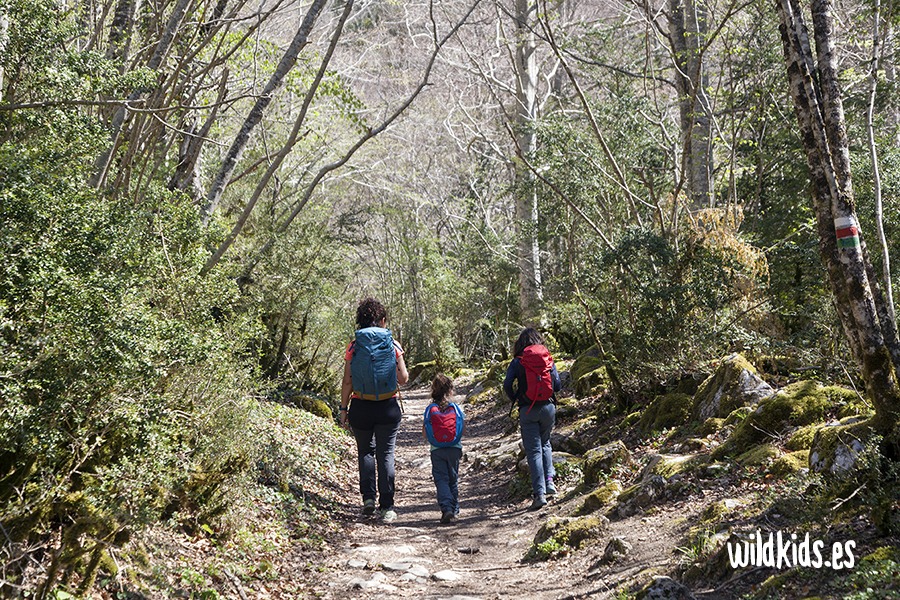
(369, 507)
(551, 489)
(448, 517)
(388, 515)
(538, 503)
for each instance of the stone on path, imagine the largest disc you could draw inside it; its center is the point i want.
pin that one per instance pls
(665, 588)
(354, 563)
(446, 575)
(396, 566)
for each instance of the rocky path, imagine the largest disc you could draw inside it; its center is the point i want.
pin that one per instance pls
(480, 555)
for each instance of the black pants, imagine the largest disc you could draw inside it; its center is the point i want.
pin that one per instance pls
(375, 425)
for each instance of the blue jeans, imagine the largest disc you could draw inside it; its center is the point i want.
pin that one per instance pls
(375, 426)
(445, 470)
(536, 426)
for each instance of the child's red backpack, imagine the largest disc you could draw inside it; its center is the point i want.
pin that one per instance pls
(537, 362)
(443, 428)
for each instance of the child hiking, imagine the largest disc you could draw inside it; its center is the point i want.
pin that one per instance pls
(443, 428)
(536, 381)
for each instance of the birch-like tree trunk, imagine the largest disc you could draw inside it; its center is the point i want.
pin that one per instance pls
(688, 28)
(870, 330)
(4, 40)
(528, 250)
(287, 62)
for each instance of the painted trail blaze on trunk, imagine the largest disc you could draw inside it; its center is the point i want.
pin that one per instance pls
(847, 232)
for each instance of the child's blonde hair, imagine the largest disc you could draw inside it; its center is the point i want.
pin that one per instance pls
(441, 390)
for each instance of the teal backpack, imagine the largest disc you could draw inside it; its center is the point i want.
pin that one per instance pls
(373, 368)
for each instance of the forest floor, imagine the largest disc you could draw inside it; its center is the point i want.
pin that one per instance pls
(481, 555)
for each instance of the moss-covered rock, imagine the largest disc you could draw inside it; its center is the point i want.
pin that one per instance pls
(489, 392)
(798, 404)
(759, 455)
(790, 463)
(639, 496)
(737, 416)
(715, 512)
(835, 449)
(670, 410)
(631, 419)
(315, 406)
(585, 363)
(423, 372)
(599, 498)
(802, 438)
(667, 465)
(735, 383)
(711, 426)
(559, 533)
(587, 373)
(600, 461)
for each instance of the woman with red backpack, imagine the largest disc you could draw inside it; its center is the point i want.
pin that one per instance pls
(532, 381)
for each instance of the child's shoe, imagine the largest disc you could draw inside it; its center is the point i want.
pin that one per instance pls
(448, 517)
(388, 515)
(369, 507)
(551, 489)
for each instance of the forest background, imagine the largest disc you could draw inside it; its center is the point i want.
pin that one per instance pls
(195, 194)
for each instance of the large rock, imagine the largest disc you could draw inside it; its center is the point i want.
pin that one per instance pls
(587, 373)
(670, 410)
(601, 460)
(836, 448)
(735, 383)
(599, 498)
(799, 404)
(638, 497)
(665, 588)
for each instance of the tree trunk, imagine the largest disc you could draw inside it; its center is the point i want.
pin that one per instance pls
(688, 27)
(870, 331)
(528, 251)
(287, 62)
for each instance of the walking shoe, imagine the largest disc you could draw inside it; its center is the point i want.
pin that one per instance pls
(388, 515)
(538, 503)
(551, 489)
(448, 517)
(369, 507)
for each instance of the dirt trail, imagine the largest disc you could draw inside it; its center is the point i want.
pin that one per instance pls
(479, 556)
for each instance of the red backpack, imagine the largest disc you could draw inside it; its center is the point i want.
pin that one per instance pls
(537, 362)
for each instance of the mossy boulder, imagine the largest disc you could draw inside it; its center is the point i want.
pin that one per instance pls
(667, 465)
(639, 496)
(587, 373)
(798, 404)
(314, 405)
(736, 416)
(789, 464)
(558, 534)
(600, 461)
(485, 393)
(802, 438)
(423, 372)
(571, 531)
(735, 383)
(711, 426)
(670, 410)
(759, 455)
(836, 449)
(585, 363)
(599, 498)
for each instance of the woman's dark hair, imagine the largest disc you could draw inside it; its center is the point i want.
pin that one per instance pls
(369, 313)
(528, 337)
(441, 390)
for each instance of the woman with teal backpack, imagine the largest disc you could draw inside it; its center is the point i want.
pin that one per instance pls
(443, 428)
(374, 370)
